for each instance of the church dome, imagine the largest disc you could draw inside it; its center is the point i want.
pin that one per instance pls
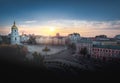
(14, 26)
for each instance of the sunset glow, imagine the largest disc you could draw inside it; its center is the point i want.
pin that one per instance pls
(52, 29)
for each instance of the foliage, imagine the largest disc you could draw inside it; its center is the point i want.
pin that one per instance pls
(84, 51)
(38, 58)
(72, 46)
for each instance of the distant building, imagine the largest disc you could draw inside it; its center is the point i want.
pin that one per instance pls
(14, 36)
(74, 38)
(105, 51)
(117, 37)
(101, 37)
(24, 38)
(51, 40)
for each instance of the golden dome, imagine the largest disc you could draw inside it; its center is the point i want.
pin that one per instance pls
(14, 26)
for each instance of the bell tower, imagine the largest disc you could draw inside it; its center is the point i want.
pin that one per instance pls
(15, 38)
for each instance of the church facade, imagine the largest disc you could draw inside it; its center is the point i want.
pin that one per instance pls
(14, 37)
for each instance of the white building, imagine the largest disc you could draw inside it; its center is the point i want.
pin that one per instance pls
(14, 37)
(24, 38)
(74, 38)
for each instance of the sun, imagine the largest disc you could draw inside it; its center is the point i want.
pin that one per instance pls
(52, 29)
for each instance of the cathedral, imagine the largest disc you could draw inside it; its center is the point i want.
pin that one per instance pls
(14, 38)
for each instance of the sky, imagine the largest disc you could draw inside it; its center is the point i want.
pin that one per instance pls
(48, 17)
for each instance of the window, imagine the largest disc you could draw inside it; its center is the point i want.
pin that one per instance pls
(15, 38)
(103, 50)
(106, 50)
(98, 49)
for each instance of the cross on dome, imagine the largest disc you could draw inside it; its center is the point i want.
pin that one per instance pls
(14, 22)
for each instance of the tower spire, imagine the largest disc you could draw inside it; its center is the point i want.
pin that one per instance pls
(14, 22)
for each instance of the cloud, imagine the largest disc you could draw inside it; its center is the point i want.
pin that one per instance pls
(99, 25)
(30, 21)
(80, 24)
(63, 26)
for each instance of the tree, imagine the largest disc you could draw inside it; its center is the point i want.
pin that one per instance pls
(38, 58)
(84, 51)
(32, 40)
(72, 46)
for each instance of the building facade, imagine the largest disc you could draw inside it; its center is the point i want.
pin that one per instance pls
(105, 51)
(51, 40)
(24, 38)
(84, 43)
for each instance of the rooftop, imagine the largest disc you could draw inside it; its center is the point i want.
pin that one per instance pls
(85, 40)
(108, 47)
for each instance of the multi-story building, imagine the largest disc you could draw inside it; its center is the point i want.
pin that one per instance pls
(105, 51)
(117, 37)
(84, 43)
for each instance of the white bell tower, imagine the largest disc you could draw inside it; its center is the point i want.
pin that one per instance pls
(15, 38)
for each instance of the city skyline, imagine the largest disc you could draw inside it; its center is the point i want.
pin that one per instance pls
(44, 17)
